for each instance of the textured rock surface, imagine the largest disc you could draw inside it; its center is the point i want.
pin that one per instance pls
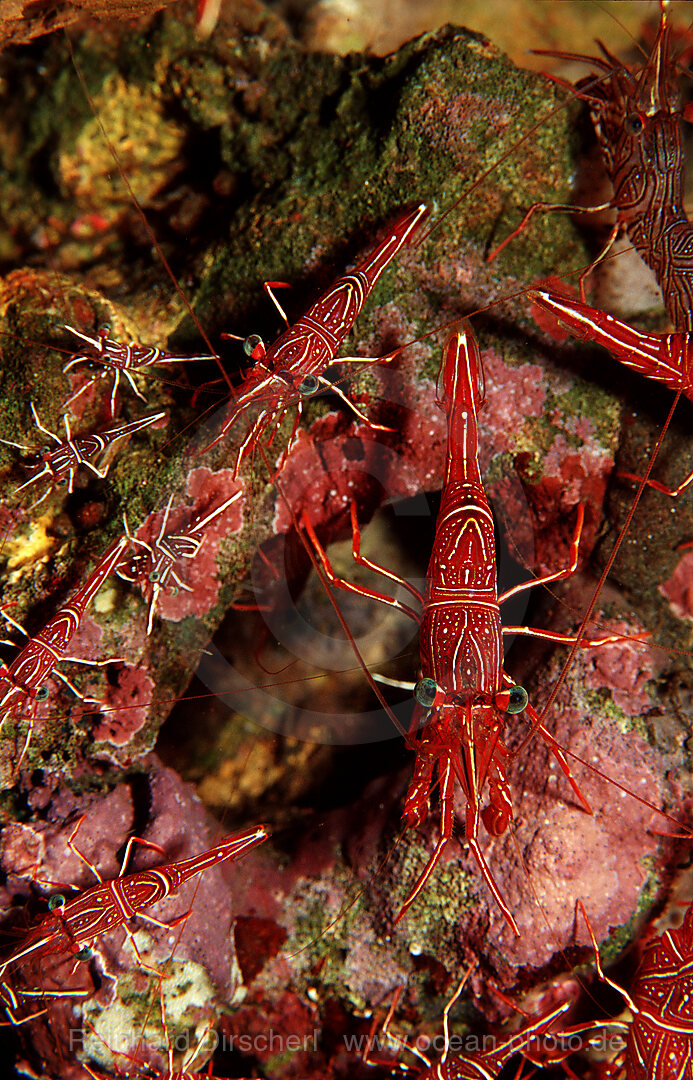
(253, 162)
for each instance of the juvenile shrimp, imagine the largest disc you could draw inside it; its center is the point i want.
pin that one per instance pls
(60, 464)
(118, 359)
(156, 566)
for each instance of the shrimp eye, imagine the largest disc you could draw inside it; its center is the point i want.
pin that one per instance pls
(42, 693)
(154, 576)
(254, 347)
(518, 699)
(57, 901)
(633, 124)
(84, 953)
(308, 386)
(426, 691)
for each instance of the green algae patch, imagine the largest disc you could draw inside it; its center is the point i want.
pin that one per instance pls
(604, 409)
(602, 704)
(324, 930)
(449, 894)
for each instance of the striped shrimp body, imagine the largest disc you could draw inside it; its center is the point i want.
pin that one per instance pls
(660, 1040)
(293, 367)
(658, 1035)
(472, 1064)
(637, 117)
(71, 926)
(111, 903)
(666, 358)
(304, 237)
(464, 698)
(23, 682)
(59, 465)
(158, 566)
(119, 361)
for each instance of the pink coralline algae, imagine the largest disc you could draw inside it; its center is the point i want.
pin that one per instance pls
(309, 483)
(93, 402)
(40, 853)
(569, 477)
(124, 698)
(87, 642)
(126, 704)
(22, 848)
(312, 902)
(568, 854)
(580, 426)
(624, 667)
(513, 394)
(678, 589)
(582, 474)
(332, 465)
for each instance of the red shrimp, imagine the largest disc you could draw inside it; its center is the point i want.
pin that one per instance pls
(61, 464)
(117, 359)
(71, 925)
(464, 696)
(660, 1039)
(659, 1036)
(293, 391)
(23, 682)
(485, 1064)
(292, 368)
(668, 358)
(637, 118)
